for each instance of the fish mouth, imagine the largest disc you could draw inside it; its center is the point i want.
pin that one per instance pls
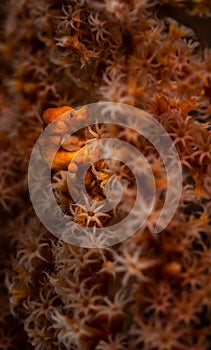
(82, 113)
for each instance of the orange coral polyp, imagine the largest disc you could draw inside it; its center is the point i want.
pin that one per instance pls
(68, 53)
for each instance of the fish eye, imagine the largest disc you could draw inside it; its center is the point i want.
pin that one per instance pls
(71, 115)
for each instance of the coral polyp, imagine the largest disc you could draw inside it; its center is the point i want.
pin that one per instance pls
(150, 291)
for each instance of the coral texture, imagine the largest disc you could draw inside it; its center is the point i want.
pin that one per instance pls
(150, 292)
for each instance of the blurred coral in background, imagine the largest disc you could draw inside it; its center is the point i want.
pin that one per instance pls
(150, 292)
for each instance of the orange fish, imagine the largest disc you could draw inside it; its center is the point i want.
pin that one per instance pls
(59, 122)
